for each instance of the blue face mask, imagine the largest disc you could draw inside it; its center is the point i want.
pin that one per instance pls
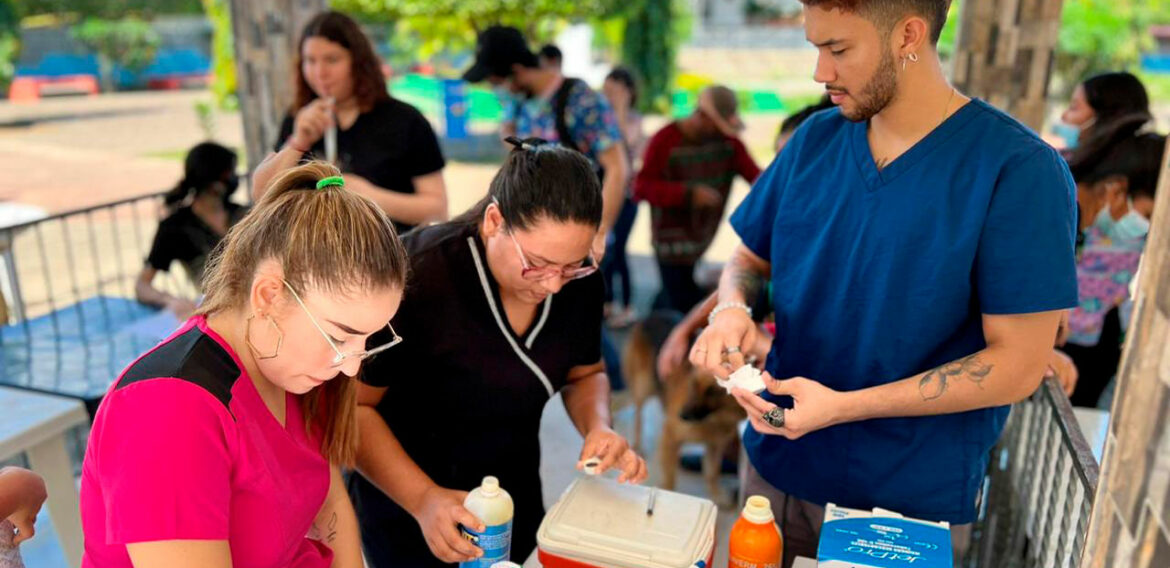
(1067, 132)
(1129, 227)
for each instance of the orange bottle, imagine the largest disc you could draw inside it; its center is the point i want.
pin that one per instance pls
(755, 538)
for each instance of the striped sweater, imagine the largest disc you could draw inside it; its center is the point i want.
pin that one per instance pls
(671, 168)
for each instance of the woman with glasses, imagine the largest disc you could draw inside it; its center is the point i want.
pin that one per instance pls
(503, 310)
(222, 445)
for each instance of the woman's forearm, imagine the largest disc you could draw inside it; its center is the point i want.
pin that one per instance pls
(384, 462)
(336, 525)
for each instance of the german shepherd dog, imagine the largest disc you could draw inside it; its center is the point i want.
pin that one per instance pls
(695, 407)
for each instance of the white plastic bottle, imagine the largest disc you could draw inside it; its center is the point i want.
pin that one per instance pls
(493, 506)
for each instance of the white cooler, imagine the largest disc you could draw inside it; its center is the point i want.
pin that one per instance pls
(599, 523)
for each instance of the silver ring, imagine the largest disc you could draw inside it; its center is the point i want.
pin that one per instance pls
(731, 350)
(774, 417)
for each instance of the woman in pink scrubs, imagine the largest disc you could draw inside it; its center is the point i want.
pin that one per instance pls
(221, 446)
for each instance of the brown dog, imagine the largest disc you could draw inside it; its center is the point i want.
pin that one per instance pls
(695, 408)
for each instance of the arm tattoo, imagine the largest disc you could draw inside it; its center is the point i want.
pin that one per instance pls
(747, 281)
(328, 535)
(935, 382)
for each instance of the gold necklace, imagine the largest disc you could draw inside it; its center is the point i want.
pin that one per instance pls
(946, 108)
(882, 163)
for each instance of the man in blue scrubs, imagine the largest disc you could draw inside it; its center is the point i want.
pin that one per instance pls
(920, 247)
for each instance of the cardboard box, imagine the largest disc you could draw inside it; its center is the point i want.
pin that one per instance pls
(851, 538)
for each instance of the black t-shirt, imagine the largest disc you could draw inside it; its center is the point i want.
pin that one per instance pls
(465, 393)
(184, 237)
(390, 145)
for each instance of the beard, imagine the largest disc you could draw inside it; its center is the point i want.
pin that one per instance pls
(878, 93)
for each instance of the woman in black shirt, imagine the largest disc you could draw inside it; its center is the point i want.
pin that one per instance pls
(386, 147)
(504, 309)
(202, 213)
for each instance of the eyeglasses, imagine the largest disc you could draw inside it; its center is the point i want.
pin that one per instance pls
(534, 273)
(340, 358)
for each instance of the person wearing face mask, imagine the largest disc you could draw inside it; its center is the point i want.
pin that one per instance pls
(1099, 104)
(504, 311)
(222, 446)
(386, 147)
(1115, 189)
(202, 213)
(550, 106)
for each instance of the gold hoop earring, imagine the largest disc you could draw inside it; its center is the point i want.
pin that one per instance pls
(248, 337)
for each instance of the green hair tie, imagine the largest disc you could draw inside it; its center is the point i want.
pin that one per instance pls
(331, 181)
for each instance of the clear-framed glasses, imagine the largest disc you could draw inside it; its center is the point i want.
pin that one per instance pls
(529, 272)
(341, 357)
(534, 273)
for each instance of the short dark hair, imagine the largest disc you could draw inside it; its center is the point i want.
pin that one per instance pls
(542, 180)
(550, 51)
(885, 13)
(369, 86)
(794, 120)
(625, 76)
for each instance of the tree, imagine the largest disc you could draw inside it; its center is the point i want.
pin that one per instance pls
(108, 9)
(1105, 35)
(130, 43)
(223, 58)
(9, 43)
(452, 25)
(649, 47)
(648, 31)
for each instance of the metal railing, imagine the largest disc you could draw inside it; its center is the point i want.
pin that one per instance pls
(1038, 494)
(68, 321)
(63, 259)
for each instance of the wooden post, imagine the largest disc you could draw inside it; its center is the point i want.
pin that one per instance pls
(1004, 54)
(266, 34)
(1130, 525)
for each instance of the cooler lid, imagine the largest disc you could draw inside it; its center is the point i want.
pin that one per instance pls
(603, 522)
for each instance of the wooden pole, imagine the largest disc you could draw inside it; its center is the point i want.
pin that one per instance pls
(1130, 525)
(1005, 52)
(266, 33)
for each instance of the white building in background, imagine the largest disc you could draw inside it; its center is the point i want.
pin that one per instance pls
(720, 13)
(576, 43)
(721, 24)
(744, 24)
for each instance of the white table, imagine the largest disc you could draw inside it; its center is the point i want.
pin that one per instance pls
(35, 425)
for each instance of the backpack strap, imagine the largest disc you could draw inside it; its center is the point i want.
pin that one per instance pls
(560, 107)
